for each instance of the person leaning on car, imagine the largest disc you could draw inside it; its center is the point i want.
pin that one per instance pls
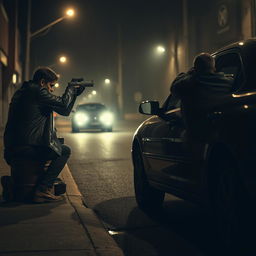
(197, 89)
(30, 132)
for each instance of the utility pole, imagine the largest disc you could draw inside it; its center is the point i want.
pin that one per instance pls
(119, 88)
(27, 43)
(29, 35)
(185, 32)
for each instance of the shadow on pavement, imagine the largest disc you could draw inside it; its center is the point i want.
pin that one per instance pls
(180, 228)
(13, 213)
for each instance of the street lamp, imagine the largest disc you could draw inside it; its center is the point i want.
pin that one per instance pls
(160, 49)
(69, 13)
(107, 81)
(63, 59)
(94, 92)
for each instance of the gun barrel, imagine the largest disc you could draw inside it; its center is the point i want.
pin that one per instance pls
(83, 84)
(77, 79)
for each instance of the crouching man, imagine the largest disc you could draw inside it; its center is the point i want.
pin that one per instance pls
(30, 131)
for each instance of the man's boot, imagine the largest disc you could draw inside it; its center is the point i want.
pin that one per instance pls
(45, 195)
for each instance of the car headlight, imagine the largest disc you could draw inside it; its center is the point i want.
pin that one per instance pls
(81, 118)
(107, 118)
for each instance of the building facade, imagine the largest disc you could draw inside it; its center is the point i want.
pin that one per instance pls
(206, 26)
(10, 65)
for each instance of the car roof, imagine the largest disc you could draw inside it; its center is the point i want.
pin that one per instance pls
(90, 104)
(243, 45)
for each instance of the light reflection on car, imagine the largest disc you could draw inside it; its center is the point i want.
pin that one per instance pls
(92, 116)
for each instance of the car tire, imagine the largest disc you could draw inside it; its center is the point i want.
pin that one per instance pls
(147, 197)
(228, 202)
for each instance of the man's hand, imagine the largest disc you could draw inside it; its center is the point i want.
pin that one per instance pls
(191, 71)
(79, 89)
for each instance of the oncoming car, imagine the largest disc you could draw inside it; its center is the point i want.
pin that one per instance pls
(216, 170)
(92, 116)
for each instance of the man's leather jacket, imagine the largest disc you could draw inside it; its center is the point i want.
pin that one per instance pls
(30, 118)
(197, 92)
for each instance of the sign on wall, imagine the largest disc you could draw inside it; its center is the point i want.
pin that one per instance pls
(223, 16)
(227, 21)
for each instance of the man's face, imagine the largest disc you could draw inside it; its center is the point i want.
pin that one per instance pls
(48, 85)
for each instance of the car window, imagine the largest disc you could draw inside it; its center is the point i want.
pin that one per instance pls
(171, 103)
(91, 107)
(231, 65)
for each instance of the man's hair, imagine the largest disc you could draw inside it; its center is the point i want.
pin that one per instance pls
(204, 62)
(44, 73)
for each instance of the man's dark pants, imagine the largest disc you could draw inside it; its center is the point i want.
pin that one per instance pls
(42, 154)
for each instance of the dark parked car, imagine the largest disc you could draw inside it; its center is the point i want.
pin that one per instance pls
(219, 170)
(92, 116)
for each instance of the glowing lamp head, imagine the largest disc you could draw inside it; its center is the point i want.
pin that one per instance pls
(160, 49)
(14, 78)
(70, 12)
(107, 81)
(63, 59)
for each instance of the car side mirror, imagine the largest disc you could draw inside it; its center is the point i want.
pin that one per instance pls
(149, 107)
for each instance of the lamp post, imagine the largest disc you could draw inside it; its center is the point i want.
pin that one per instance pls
(69, 13)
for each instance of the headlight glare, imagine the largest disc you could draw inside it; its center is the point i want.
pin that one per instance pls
(107, 118)
(81, 118)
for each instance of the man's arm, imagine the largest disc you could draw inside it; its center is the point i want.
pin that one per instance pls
(60, 104)
(67, 111)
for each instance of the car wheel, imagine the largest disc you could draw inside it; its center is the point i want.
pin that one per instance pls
(228, 202)
(147, 197)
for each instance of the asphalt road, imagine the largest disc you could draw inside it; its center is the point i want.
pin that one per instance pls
(102, 168)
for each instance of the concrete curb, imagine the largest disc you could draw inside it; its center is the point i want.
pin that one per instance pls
(102, 242)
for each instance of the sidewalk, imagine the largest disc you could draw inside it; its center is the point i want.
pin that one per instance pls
(54, 229)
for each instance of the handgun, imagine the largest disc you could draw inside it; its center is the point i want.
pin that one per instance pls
(81, 82)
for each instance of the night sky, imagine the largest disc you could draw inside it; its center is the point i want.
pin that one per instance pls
(90, 41)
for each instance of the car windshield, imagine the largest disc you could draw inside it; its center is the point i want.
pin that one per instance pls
(91, 107)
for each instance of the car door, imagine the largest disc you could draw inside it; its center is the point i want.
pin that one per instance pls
(167, 150)
(230, 63)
